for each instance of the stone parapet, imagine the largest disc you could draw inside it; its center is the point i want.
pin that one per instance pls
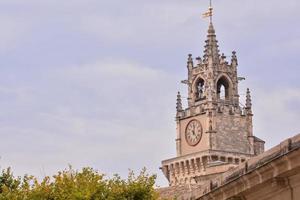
(189, 169)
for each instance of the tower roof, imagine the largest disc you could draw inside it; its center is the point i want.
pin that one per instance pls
(211, 48)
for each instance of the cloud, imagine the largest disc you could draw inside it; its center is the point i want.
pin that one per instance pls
(96, 114)
(276, 114)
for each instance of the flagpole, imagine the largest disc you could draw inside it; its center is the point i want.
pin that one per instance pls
(210, 9)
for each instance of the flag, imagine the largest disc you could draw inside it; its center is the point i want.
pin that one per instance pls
(209, 13)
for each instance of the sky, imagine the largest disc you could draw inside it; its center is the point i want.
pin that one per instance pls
(94, 82)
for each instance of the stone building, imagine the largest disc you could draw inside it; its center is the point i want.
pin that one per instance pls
(214, 134)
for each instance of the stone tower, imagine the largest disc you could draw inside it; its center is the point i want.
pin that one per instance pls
(214, 133)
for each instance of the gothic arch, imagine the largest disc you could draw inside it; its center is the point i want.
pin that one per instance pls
(223, 81)
(198, 88)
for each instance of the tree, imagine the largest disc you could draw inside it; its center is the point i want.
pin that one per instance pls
(87, 184)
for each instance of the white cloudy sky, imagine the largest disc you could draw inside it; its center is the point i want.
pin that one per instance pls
(94, 82)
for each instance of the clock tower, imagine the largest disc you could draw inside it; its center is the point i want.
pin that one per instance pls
(214, 133)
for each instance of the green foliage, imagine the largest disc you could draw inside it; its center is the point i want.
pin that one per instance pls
(86, 184)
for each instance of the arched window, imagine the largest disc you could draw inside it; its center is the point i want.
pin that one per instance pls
(199, 89)
(223, 88)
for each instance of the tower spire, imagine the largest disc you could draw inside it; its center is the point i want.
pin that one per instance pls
(211, 47)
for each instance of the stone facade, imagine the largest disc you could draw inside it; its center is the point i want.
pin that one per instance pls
(229, 125)
(214, 133)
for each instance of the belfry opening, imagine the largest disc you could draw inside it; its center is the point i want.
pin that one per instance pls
(223, 88)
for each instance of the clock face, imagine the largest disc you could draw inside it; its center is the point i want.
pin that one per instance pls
(193, 133)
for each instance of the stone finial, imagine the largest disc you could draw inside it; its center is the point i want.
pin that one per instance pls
(199, 60)
(178, 103)
(190, 63)
(248, 99)
(248, 102)
(234, 58)
(223, 59)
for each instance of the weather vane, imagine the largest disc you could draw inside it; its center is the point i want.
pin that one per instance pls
(209, 13)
